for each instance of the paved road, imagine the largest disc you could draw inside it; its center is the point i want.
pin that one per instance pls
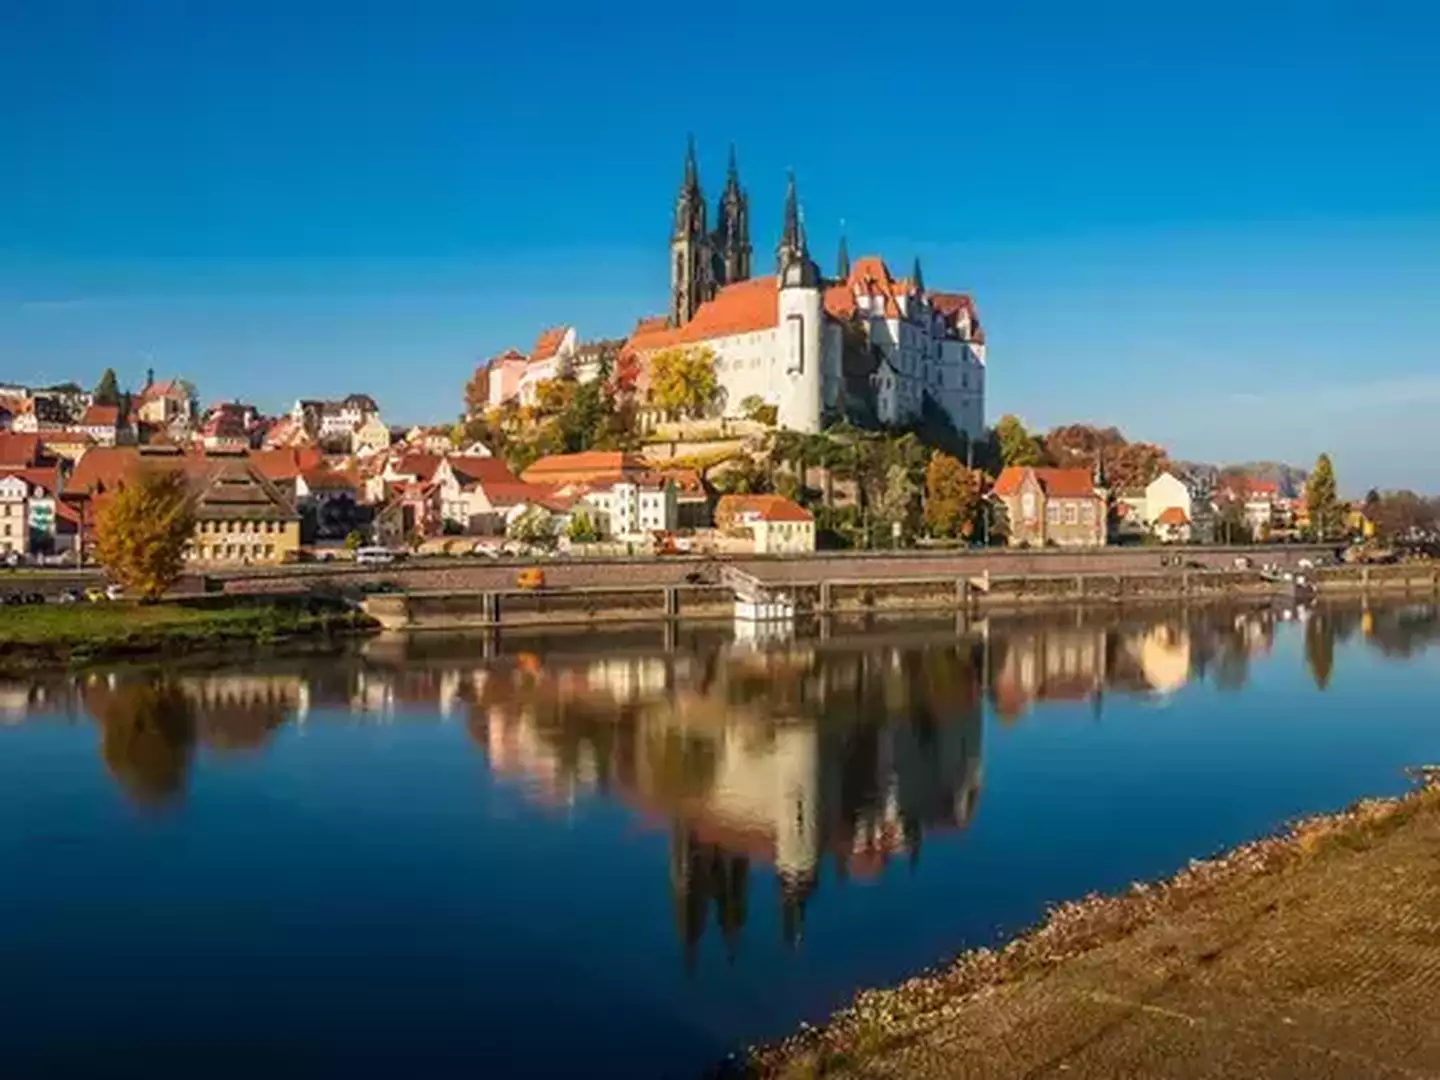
(1327, 969)
(479, 575)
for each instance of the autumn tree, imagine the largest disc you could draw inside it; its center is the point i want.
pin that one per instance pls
(1017, 446)
(142, 534)
(953, 496)
(1320, 500)
(683, 381)
(477, 392)
(107, 390)
(147, 738)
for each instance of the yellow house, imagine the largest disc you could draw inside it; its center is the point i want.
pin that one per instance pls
(1357, 524)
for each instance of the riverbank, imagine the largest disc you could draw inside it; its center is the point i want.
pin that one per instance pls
(67, 635)
(1314, 953)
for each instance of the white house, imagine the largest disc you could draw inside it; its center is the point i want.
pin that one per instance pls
(636, 507)
(1178, 510)
(776, 524)
(30, 512)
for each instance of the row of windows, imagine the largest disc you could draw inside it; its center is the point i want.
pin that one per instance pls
(234, 552)
(240, 526)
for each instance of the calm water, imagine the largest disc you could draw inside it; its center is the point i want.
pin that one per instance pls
(587, 852)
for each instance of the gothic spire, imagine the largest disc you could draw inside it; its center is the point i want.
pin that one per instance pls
(792, 256)
(842, 261)
(790, 239)
(732, 174)
(917, 277)
(692, 173)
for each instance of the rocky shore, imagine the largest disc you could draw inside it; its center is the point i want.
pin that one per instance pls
(1314, 952)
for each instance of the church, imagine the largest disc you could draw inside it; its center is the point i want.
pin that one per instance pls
(860, 343)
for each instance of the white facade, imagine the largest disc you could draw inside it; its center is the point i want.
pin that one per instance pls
(1168, 491)
(636, 508)
(27, 517)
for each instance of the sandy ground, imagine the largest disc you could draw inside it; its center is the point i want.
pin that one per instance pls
(1312, 955)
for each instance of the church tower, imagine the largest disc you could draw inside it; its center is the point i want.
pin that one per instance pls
(800, 322)
(691, 275)
(732, 230)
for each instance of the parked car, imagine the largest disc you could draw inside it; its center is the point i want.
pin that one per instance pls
(34, 598)
(69, 596)
(13, 600)
(377, 556)
(95, 595)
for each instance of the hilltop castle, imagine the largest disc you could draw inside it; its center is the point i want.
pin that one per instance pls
(860, 343)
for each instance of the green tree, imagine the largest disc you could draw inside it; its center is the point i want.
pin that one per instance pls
(1017, 446)
(581, 529)
(754, 408)
(140, 537)
(1321, 502)
(953, 495)
(533, 525)
(896, 504)
(107, 390)
(683, 381)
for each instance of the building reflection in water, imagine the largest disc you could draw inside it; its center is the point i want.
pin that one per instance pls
(801, 757)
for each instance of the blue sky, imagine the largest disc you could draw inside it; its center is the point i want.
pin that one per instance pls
(1216, 225)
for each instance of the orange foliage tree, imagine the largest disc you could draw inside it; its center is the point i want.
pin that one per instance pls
(140, 536)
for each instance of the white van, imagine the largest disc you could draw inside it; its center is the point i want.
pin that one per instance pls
(373, 555)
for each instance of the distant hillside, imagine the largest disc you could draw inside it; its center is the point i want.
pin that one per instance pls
(1287, 478)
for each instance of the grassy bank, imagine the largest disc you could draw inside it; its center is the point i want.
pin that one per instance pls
(81, 633)
(1284, 957)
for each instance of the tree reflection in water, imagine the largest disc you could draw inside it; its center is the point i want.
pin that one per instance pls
(147, 738)
(813, 763)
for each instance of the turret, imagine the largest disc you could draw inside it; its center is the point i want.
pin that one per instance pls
(691, 274)
(801, 322)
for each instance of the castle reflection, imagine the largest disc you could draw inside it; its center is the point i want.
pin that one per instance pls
(837, 754)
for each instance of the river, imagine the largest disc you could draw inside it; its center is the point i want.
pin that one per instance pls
(616, 854)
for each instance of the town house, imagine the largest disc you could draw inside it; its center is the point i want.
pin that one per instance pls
(1040, 507)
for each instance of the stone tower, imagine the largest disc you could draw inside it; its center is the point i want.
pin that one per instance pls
(731, 242)
(691, 269)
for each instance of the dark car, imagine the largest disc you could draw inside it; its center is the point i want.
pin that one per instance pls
(13, 599)
(34, 598)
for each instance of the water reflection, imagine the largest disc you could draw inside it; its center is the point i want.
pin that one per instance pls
(838, 754)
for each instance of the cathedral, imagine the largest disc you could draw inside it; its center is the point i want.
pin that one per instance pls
(860, 343)
(701, 261)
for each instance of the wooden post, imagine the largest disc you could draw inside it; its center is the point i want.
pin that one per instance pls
(825, 597)
(672, 602)
(1080, 586)
(962, 593)
(490, 606)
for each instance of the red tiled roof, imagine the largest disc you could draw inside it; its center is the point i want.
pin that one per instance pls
(481, 470)
(422, 466)
(325, 479)
(584, 466)
(548, 343)
(686, 481)
(1172, 515)
(101, 416)
(651, 323)
(1056, 483)
(46, 477)
(839, 301)
(509, 356)
(18, 449)
(951, 303)
(765, 507)
(741, 308)
(286, 463)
